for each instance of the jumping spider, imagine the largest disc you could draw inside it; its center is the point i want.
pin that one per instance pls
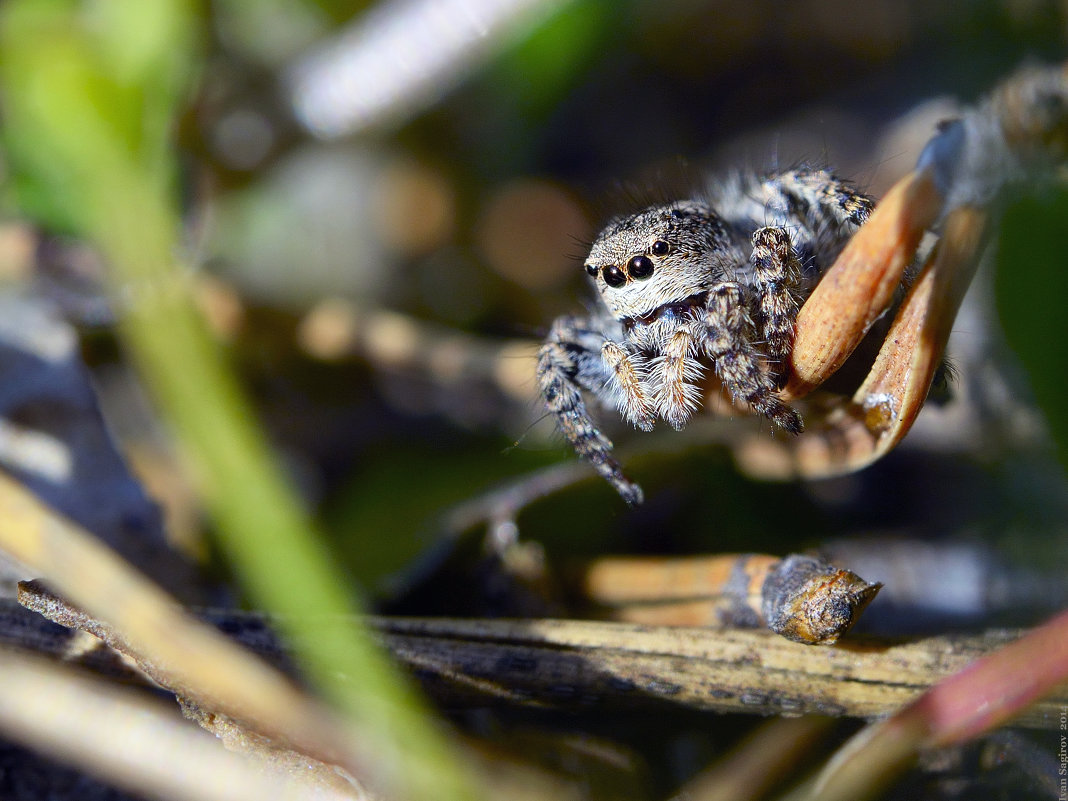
(712, 281)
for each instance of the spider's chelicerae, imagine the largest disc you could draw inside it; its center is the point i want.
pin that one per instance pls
(714, 281)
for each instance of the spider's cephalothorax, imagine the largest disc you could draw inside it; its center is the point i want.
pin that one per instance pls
(711, 282)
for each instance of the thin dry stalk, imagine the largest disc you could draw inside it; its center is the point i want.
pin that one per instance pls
(201, 664)
(763, 760)
(136, 742)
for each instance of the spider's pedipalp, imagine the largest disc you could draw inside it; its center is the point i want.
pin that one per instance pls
(675, 374)
(629, 371)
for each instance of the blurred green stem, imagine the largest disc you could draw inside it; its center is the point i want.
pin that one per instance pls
(88, 120)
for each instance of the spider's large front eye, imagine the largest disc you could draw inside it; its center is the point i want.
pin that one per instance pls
(640, 267)
(613, 276)
(660, 248)
(591, 269)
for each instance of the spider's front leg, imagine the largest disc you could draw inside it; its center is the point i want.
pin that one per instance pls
(778, 273)
(726, 335)
(568, 362)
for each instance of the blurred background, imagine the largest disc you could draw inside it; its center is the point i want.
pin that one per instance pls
(464, 203)
(388, 204)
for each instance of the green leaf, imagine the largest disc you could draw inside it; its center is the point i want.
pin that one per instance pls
(90, 92)
(1032, 288)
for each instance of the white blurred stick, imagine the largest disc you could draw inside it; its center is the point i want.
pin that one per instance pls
(400, 57)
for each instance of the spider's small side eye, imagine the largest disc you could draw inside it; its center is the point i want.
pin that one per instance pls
(640, 267)
(613, 276)
(660, 248)
(591, 269)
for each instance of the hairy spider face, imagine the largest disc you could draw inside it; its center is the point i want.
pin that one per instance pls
(661, 255)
